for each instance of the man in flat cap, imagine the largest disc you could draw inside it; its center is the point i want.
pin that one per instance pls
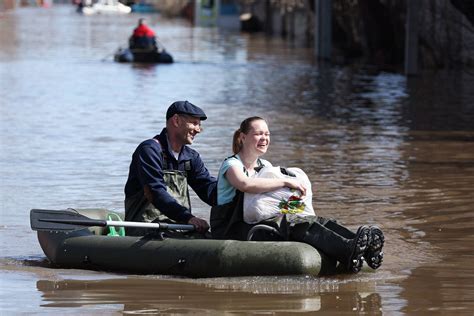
(162, 168)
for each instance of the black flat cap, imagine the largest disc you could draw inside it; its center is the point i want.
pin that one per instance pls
(185, 107)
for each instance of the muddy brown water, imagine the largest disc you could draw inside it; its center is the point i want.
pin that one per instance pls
(378, 148)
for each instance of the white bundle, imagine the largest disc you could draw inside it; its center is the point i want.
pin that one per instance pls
(262, 206)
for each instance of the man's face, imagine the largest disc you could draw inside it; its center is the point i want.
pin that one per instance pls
(189, 127)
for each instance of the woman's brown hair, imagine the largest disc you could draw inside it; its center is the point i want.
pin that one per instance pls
(244, 128)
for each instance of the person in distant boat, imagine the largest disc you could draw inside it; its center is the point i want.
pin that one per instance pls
(143, 37)
(242, 175)
(161, 170)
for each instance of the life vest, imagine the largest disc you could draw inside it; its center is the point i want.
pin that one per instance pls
(143, 30)
(143, 38)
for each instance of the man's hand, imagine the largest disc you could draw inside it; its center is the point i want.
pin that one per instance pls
(201, 225)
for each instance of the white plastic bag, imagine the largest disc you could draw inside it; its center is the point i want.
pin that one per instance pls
(262, 206)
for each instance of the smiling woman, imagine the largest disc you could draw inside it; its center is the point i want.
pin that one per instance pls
(250, 142)
(245, 173)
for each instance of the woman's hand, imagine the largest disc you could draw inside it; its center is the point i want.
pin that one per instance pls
(243, 183)
(296, 185)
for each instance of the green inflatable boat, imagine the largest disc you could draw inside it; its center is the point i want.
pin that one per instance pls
(86, 239)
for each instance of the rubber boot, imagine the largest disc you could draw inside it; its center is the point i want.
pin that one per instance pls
(349, 252)
(374, 253)
(339, 229)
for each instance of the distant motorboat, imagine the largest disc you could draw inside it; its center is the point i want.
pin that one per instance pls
(106, 7)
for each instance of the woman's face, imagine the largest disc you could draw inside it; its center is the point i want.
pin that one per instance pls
(258, 138)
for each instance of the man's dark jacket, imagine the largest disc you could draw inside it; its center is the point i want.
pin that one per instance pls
(147, 168)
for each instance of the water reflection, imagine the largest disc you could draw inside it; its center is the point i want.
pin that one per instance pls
(254, 296)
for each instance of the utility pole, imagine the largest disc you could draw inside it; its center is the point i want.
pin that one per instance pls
(323, 29)
(411, 37)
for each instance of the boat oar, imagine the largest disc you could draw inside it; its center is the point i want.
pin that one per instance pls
(107, 57)
(70, 220)
(160, 44)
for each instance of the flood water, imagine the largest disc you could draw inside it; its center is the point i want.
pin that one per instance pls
(378, 148)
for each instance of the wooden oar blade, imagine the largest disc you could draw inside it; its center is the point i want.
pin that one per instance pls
(63, 220)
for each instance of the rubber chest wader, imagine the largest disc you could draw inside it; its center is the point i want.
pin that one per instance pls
(323, 234)
(227, 220)
(139, 207)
